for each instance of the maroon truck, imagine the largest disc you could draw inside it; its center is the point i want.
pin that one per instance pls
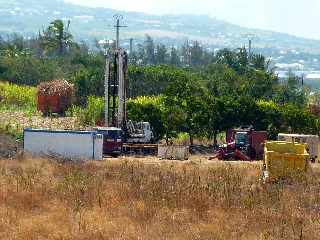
(112, 140)
(244, 144)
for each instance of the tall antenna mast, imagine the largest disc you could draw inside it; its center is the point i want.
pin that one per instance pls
(118, 18)
(250, 38)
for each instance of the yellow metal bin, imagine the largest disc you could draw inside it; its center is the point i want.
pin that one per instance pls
(284, 159)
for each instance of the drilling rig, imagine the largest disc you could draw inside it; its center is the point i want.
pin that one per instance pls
(116, 88)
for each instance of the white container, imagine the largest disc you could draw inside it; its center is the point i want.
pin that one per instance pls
(312, 141)
(174, 152)
(74, 145)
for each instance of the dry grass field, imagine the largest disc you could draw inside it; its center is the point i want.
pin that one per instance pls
(147, 199)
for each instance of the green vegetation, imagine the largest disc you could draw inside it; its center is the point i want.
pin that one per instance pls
(14, 98)
(18, 111)
(17, 98)
(56, 38)
(92, 114)
(186, 91)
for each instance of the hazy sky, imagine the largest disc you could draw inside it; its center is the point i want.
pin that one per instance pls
(298, 17)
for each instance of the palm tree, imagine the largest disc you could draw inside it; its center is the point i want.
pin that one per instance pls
(258, 61)
(56, 38)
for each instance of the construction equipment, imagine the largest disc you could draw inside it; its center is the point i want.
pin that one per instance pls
(116, 88)
(139, 132)
(283, 160)
(312, 142)
(243, 143)
(112, 140)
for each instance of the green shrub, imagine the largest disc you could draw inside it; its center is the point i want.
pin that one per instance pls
(14, 130)
(92, 113)
(148, 109)
(88, 82)
(18, 96)
(29, 70)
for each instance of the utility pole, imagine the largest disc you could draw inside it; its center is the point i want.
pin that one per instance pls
(250, 48)
(118, 17)
(131, 46)
(188, 53)
(250, 38)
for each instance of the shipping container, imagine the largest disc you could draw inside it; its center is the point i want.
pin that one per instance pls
(312, 142)
(74, 145)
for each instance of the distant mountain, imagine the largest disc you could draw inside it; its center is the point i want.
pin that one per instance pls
(30, 16)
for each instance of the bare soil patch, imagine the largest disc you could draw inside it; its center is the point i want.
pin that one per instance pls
(9, 147)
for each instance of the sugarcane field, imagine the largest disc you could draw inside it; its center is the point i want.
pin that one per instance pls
(129, 137)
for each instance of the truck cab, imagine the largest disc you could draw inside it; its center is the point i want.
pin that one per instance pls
(243, 143)
(112, 140)
(241, 139)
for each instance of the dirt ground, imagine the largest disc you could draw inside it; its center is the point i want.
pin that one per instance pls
(9, 147)
(24, 120)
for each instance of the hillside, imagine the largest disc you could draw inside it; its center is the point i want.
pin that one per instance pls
(30, 16)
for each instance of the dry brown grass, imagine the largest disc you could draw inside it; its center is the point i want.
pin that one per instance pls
(124, 199)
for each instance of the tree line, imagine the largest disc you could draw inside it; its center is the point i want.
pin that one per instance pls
(185, 89)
